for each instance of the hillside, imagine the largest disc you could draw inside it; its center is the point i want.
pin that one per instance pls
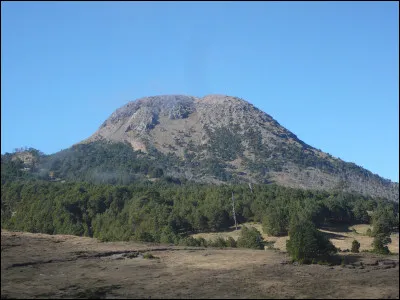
(219, 138)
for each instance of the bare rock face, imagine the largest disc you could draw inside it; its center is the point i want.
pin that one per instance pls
(135, 120)
(26, 157)
(220, 138)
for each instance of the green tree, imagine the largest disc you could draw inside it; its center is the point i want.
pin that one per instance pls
(380, 243)
(250, 238)
(275, 221)
(355, 246)
(307, 243)
(383, 222)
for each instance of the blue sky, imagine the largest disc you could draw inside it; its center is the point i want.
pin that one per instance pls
(327, 71)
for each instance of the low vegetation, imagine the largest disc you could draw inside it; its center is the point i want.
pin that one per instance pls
(355, 246)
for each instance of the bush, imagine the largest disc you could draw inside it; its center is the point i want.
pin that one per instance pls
(218, 242)
(149, 256)
(201, 242)
(275, 222)
(189, 241)
(132, 255)
(369, 232)
(307, 243)
(343, 261)
(230, 242)
(250, 238)
(380, 242)
(355, 246)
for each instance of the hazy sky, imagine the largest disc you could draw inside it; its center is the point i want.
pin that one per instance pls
(327, 71)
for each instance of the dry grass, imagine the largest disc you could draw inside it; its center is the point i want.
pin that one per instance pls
(44, 266)
(341, 237)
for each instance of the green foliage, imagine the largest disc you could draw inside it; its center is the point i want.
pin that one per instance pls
(13, 170)
(165, 211)
(355, 246)
(219, 242)
(307, 243)
(149, 256)
(189, 241)
(156, 172)
(380, 243)
(275, 221)
(383, 223)
(250, 238)
(202, 242)
(215, 168)
(97, 162)
(225, 143)
(383, 220)
(230, 242)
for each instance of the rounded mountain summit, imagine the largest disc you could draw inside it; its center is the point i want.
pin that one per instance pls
(220, 138)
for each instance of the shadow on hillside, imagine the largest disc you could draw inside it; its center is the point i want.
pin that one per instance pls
(225, 230)
(336, 227)
(336, 236)
(352, 259)
(232, 229)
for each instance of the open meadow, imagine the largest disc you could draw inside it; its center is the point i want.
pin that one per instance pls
(340, 236)
(63, 266)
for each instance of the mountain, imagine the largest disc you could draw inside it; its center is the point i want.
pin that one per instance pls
(217, 139)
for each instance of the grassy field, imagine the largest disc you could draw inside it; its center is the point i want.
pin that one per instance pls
(62, 266)
(340, 236)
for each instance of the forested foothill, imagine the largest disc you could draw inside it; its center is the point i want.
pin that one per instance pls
(115, 198)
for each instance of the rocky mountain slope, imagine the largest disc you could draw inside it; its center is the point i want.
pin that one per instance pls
(219, 138)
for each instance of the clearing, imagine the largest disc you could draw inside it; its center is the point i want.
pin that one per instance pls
(63, 266)
(340, 236)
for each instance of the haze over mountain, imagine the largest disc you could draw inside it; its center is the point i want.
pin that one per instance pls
(218, 138)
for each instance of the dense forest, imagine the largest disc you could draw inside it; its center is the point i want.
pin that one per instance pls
(168, 210)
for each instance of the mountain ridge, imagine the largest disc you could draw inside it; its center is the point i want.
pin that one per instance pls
(243, 142)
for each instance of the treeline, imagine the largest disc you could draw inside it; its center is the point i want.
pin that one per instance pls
(168, 212)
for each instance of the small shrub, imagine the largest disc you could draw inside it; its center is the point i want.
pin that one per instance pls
(219, 242)
(368, 232)
(343, 261)
(355, 246)
(201, 242)
(149, 256)
(132, 254)
(230, 242)
(190, 241)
